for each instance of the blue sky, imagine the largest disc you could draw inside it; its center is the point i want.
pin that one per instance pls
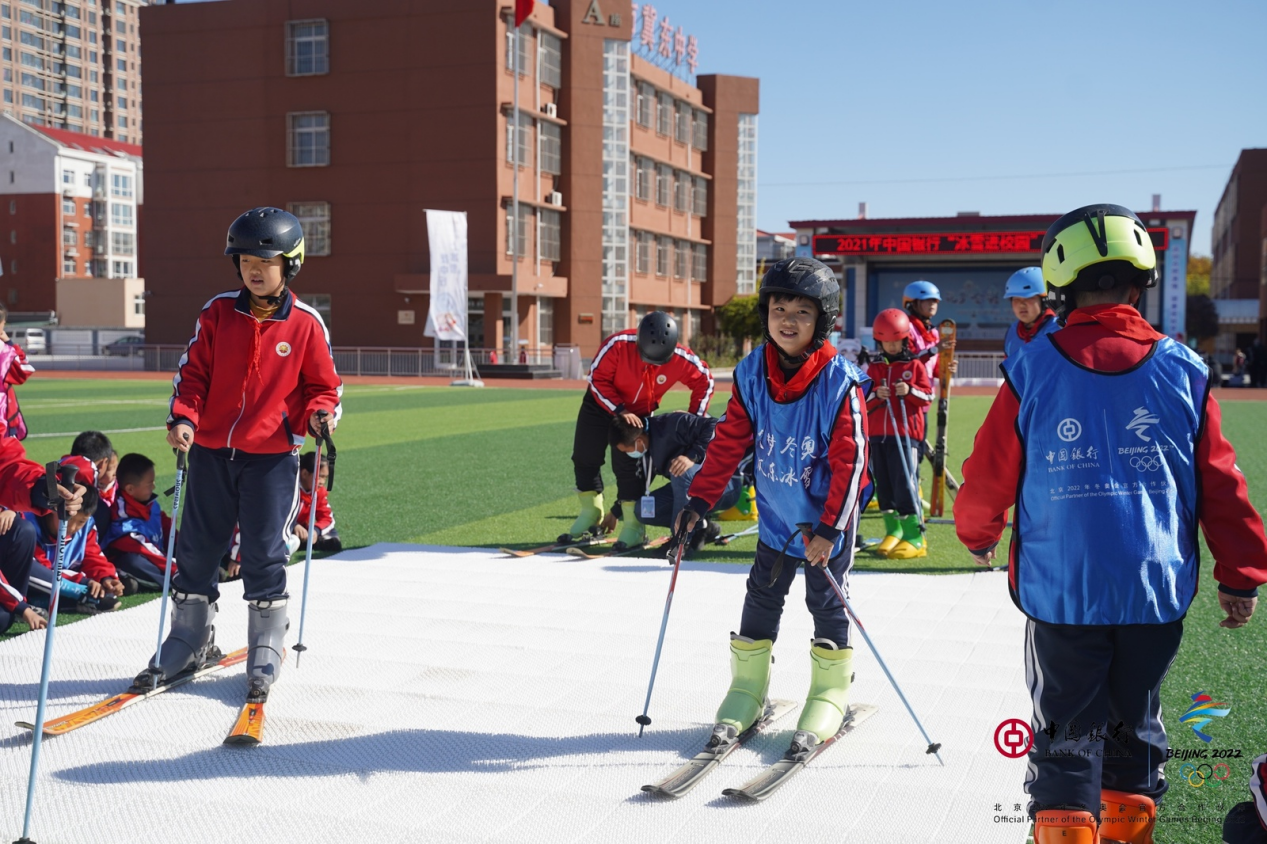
(930, 108)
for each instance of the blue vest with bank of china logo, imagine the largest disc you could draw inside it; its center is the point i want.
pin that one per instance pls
(1012, 342)
(1106, 521)
(790, 442)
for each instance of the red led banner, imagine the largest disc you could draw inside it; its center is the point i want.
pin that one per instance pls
(957, 243)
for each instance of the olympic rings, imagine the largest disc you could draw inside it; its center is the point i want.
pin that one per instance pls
(1195, 777)
(1146, 462)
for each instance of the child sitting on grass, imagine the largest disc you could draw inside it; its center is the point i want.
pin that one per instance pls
(136, 538)
(327, 538)
(99, 451)
(17, 544)
(90, 583)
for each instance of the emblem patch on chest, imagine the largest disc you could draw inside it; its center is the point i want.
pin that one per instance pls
(283, 349)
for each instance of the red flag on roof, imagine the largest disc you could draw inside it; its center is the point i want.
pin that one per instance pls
(523, 8)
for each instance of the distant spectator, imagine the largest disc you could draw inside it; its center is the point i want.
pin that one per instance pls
(327, 538)
(14, 370)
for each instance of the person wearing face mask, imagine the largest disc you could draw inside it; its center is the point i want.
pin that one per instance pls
(672, 446)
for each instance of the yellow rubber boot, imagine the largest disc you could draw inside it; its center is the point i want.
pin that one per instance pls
(591, 514)
(892, 533)
(914, 543)
(749, 681)
(1125, 817)
(1065, 826)
(632, 531)
(831, 672)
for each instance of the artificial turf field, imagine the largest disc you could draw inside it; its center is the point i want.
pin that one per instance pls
(491, 467)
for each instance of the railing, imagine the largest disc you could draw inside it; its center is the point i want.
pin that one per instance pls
(979, 365)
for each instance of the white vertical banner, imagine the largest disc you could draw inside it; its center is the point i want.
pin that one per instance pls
(446, 235)
(1175, 286)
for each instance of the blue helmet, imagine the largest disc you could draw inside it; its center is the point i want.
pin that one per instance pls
(917, 290)
(1025, 283)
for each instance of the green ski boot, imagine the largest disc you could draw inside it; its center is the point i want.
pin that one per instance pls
(632, 531)
(750, 680)
(892, 533)
(831, 672)
(587, 521)
(912, 544)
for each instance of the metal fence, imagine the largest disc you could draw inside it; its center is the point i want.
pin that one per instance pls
(979, 365)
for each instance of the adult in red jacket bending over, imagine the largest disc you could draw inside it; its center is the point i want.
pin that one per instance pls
(256, 377)
(628, 377)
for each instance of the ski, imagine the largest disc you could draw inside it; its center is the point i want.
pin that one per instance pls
(772, 778)
(558, 546)
(111, 705)
(652, 544)
(725, 538)
(946, 328)
(714, 753)
(248, 729)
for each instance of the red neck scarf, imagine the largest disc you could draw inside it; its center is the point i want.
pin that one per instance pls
(1122, 320)
(781, 387)
(925, 330)
(1028, 333)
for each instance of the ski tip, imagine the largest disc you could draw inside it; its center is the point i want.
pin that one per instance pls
(657, 791)
(740, 794)
(241, 741)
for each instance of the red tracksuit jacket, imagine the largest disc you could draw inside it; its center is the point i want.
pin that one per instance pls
(622, 383)
(325, 516)
(251, 385)
(889, 372)
(17, 476)
(1110, 338)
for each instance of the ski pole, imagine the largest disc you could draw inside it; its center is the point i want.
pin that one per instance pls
(906, 466)
(725, 540)
(642, 719)
(906, 426)
(933, 747)
(181, 467)
(322, 437)
(51, 472)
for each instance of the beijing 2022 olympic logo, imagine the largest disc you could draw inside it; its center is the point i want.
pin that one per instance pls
(1146, 462)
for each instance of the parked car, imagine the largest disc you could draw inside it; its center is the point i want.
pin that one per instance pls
(32, 340)
(133, 344)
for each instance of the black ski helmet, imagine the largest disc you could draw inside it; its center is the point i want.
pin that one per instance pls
(657, 338)
(266, 233)
(802, 277)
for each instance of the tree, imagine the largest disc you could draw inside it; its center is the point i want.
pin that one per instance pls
(739, 319)
(1203, 318)
(1199, 275)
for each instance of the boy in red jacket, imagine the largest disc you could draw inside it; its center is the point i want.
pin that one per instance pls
(327, 538)
(895, 417)
(628, 377)
(257, 376)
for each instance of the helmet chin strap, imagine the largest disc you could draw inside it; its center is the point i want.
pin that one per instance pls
(281, 295)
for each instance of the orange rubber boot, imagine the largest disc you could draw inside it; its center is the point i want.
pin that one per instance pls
(1065, 826)
(1128, 818)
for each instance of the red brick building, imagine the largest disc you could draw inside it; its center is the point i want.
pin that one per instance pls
(634, 184)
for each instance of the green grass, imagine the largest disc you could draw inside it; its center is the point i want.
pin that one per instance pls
(491, 468)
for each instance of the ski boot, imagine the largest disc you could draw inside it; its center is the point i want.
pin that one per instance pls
(587, 522)
(705, 533)
(750, 680)
(265, 632)
(831, 672)
(913, 544)
(892, 533)
(189, 647)
(1065, 826)
(1128, 818)
(632, 531)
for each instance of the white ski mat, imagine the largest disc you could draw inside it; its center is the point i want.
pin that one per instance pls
(458, 695)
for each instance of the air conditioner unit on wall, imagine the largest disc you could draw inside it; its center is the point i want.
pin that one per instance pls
(550, 109)
(554, 198)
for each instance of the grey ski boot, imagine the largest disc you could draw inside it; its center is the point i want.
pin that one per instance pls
(265, 633)
(189, 647)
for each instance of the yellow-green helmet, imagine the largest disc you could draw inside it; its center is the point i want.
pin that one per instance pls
(1095, 234)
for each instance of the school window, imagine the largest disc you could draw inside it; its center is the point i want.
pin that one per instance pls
(681, 190)
(683, 123)
(68, 177)
(551, 137)
(551, 60)
(75, 91)
(88, 239)
(6, 33)
(663, 246)
(309, 143)
(549, 234)
(523, 135)
(121, 269)
(664, 123)
(699, 262)
(121, 214)
(314, 217)
(123, 102)
(123, 65)
(8, 95)
(4, 12)
(68, 266)
(521, 235)
(700, 131)
(646, 104)
(138, 304)
(681, 254)
(87, 180)
(645, 178)
(69, 238)
(525, 47)
(121, 121)
(73, 52)
(307, 47)
(68, 206)
(699, 197)
(642, 253)
(545, 321)
(319, 302)
(664, 185)
(123, 243)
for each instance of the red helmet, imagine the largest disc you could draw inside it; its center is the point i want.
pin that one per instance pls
(891, 325)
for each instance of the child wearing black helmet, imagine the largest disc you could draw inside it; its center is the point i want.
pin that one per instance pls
(803, 408)
(257, 377)
(628, 377)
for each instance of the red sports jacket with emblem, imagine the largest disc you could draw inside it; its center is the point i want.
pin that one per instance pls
(889, 372)
(325, 517)
(252, 385)
(622, 383)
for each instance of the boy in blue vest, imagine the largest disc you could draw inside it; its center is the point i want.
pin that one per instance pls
(1108, 442)
(803, 408)
(1026, 292)
(136, 539)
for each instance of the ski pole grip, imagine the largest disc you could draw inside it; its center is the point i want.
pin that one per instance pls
(182, 460)
(66, 477)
